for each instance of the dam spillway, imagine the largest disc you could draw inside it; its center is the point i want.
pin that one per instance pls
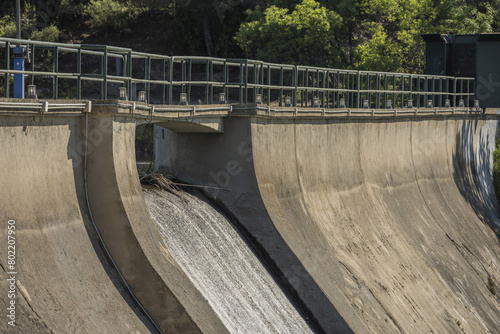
(373, 224)
(221, 264)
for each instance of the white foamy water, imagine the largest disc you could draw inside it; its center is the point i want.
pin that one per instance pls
(222, 266)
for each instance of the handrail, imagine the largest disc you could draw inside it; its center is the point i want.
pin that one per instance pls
(89, 71)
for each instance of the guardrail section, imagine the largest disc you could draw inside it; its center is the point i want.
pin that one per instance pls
(74, 71)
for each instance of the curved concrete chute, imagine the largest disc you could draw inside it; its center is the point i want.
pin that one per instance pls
(375, 225)
(67, 273)
(64, 283)
(121, 216)
(381, 198)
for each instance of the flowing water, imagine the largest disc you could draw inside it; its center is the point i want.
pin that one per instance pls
(222, 265)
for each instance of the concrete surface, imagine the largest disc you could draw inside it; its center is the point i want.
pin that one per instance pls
(124, 222)
(374, 224)
(64, 283)
(379, 226)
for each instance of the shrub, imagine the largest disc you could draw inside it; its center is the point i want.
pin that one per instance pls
(110, 14)
(47, 34)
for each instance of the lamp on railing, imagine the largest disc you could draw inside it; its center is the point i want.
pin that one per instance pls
(31, 92)
(288, 101)
(429, 103)
(461, 103)
(476, 105)
(142, 96)
(388, 104)
(447, 103)
(366, 104)
(315, 102)
(222, 98)
(183, 99)
(342, 103)
(123, 93)
(258, 98)
(409, 104)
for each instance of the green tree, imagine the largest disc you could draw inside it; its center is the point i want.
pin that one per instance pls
(306, 36)
(391, 35)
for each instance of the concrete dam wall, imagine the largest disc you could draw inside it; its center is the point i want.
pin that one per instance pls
(59, 176)
(339, 226)
(377, 226)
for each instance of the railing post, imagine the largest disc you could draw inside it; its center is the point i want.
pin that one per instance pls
(183, 76)
(358, 96)
(225, 79)
(7, 67)
(326, 81)
(268, 84)
(55, 70)
(189, 73)
(261, 91)
(410, 88)
(32, 63)
(129, 72)
(242, 82)
(163, 70)
(170, 80)
(295, 77)
(79, 72)
(207, 85)
(281, 85)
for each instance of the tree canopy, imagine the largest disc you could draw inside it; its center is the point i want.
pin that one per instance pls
(358, 34)
(361, 34)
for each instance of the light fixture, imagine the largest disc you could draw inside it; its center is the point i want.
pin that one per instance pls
(258, 98)
(288, 101)
(142, 96)
(365, 104)
(388, 104)
(410, 104)
(342, 103)
(123, 93)
(315, 102)
(31, 92)
(222, 98)
(447, 103)
(183, 99)
(476, 104)
(461, 103)
(429, 103)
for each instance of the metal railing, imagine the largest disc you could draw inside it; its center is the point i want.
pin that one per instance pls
(74, 71)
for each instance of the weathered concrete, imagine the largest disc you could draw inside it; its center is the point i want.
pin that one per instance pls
(381, 226)
(378, 223)
(64, 282)
(123, 220)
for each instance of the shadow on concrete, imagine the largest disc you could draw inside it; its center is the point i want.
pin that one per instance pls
(472, 173)
(76, 153)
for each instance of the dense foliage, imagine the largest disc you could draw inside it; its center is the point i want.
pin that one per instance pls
(361, 34)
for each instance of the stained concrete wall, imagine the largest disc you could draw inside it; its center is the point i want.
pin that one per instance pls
(117, 205)
(378, 226)
(65, 281)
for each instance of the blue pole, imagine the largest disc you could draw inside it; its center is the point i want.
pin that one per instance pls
(18, 78)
